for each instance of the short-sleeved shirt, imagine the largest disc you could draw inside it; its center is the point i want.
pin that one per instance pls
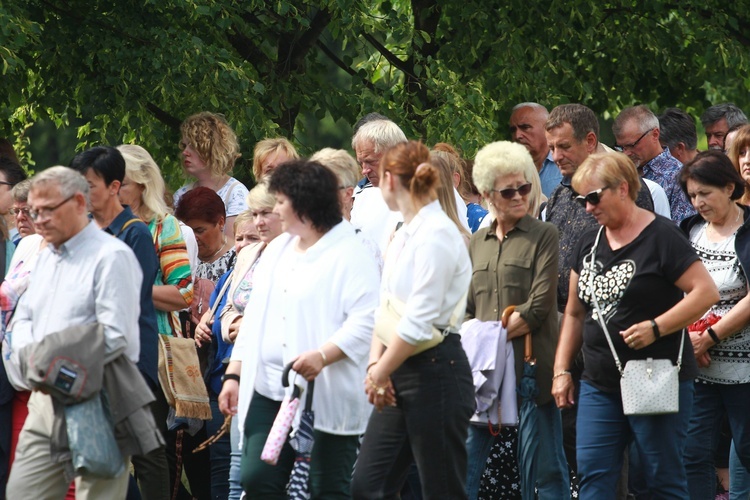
(634, 283)
(233, 194)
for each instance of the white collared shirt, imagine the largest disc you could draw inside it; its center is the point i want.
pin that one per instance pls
(427, 266)
(327, 294)
(92, 277)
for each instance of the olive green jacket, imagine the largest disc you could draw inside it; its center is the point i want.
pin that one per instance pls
(522, 272)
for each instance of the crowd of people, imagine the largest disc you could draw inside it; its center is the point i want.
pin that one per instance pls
(465, 321)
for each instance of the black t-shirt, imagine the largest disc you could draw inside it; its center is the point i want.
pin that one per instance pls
(634, 283)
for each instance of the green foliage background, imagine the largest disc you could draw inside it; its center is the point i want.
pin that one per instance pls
(119, 71)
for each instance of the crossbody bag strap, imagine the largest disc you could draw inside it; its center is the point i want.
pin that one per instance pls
(600, 317)
(221, 294)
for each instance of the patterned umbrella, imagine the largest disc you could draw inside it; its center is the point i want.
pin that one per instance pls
(528, 433)
(302, 441)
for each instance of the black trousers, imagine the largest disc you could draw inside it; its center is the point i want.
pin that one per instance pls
(429, 425)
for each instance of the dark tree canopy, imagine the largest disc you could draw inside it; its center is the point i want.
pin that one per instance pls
(130, 71)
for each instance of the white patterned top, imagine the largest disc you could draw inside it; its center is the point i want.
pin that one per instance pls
(730, 359)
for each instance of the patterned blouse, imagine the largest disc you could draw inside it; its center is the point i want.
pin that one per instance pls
(730, 359)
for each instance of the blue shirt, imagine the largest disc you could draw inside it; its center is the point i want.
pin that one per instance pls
(475, 214)
(549, 175)
(665, 171)
(138, 237)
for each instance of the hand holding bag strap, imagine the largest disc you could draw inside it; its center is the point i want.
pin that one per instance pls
(589, 261)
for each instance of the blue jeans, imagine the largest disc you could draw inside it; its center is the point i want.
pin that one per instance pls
(478, 446)
(603, 432)
(711, 401)
(739, 477)
(428, 425)
(552, 479)
(235, 472)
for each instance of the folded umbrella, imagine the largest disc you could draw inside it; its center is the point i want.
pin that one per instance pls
(528, 433)
(302, 441)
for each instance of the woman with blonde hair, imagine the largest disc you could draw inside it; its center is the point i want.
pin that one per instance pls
(515, 263)
(635, 284)
(418, 376)
(445, 193)
(143, 189)
(346, 169)
(269, 154)
(209, 150)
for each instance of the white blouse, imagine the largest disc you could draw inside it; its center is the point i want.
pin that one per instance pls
(427, 266)
(330, 295)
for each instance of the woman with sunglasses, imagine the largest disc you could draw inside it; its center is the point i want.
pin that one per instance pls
(515, 264)
(649, 285)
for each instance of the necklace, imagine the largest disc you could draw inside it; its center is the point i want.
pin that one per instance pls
(223, 244)
(736, 220)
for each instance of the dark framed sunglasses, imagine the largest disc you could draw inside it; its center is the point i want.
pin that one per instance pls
(594, 197)
(509, 193)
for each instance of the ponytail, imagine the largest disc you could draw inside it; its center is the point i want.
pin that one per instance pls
(423, 182)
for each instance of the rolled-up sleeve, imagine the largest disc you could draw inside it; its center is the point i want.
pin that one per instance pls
(432, 276)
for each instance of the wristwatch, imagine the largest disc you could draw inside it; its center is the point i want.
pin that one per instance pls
(230, 376)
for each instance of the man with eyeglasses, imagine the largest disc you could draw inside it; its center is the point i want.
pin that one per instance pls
(636, 130)
(104, 169)
(84, 276)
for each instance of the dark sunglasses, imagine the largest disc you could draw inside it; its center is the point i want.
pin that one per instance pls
(509, 193)
(594, 197)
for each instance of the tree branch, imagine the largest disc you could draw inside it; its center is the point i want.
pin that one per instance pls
(163, 116)
(338, 62)
(404, 66)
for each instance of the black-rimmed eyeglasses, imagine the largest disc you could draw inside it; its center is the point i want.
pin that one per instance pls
(628, 147)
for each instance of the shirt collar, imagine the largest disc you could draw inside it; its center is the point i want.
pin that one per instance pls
(115, 227)
(524, 224)
(333, 235)
(649, 165)
(431, 208)
(75, 242)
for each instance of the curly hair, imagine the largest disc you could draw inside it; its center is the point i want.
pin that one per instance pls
(213, 139)
(502, 158)
(312, 189)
